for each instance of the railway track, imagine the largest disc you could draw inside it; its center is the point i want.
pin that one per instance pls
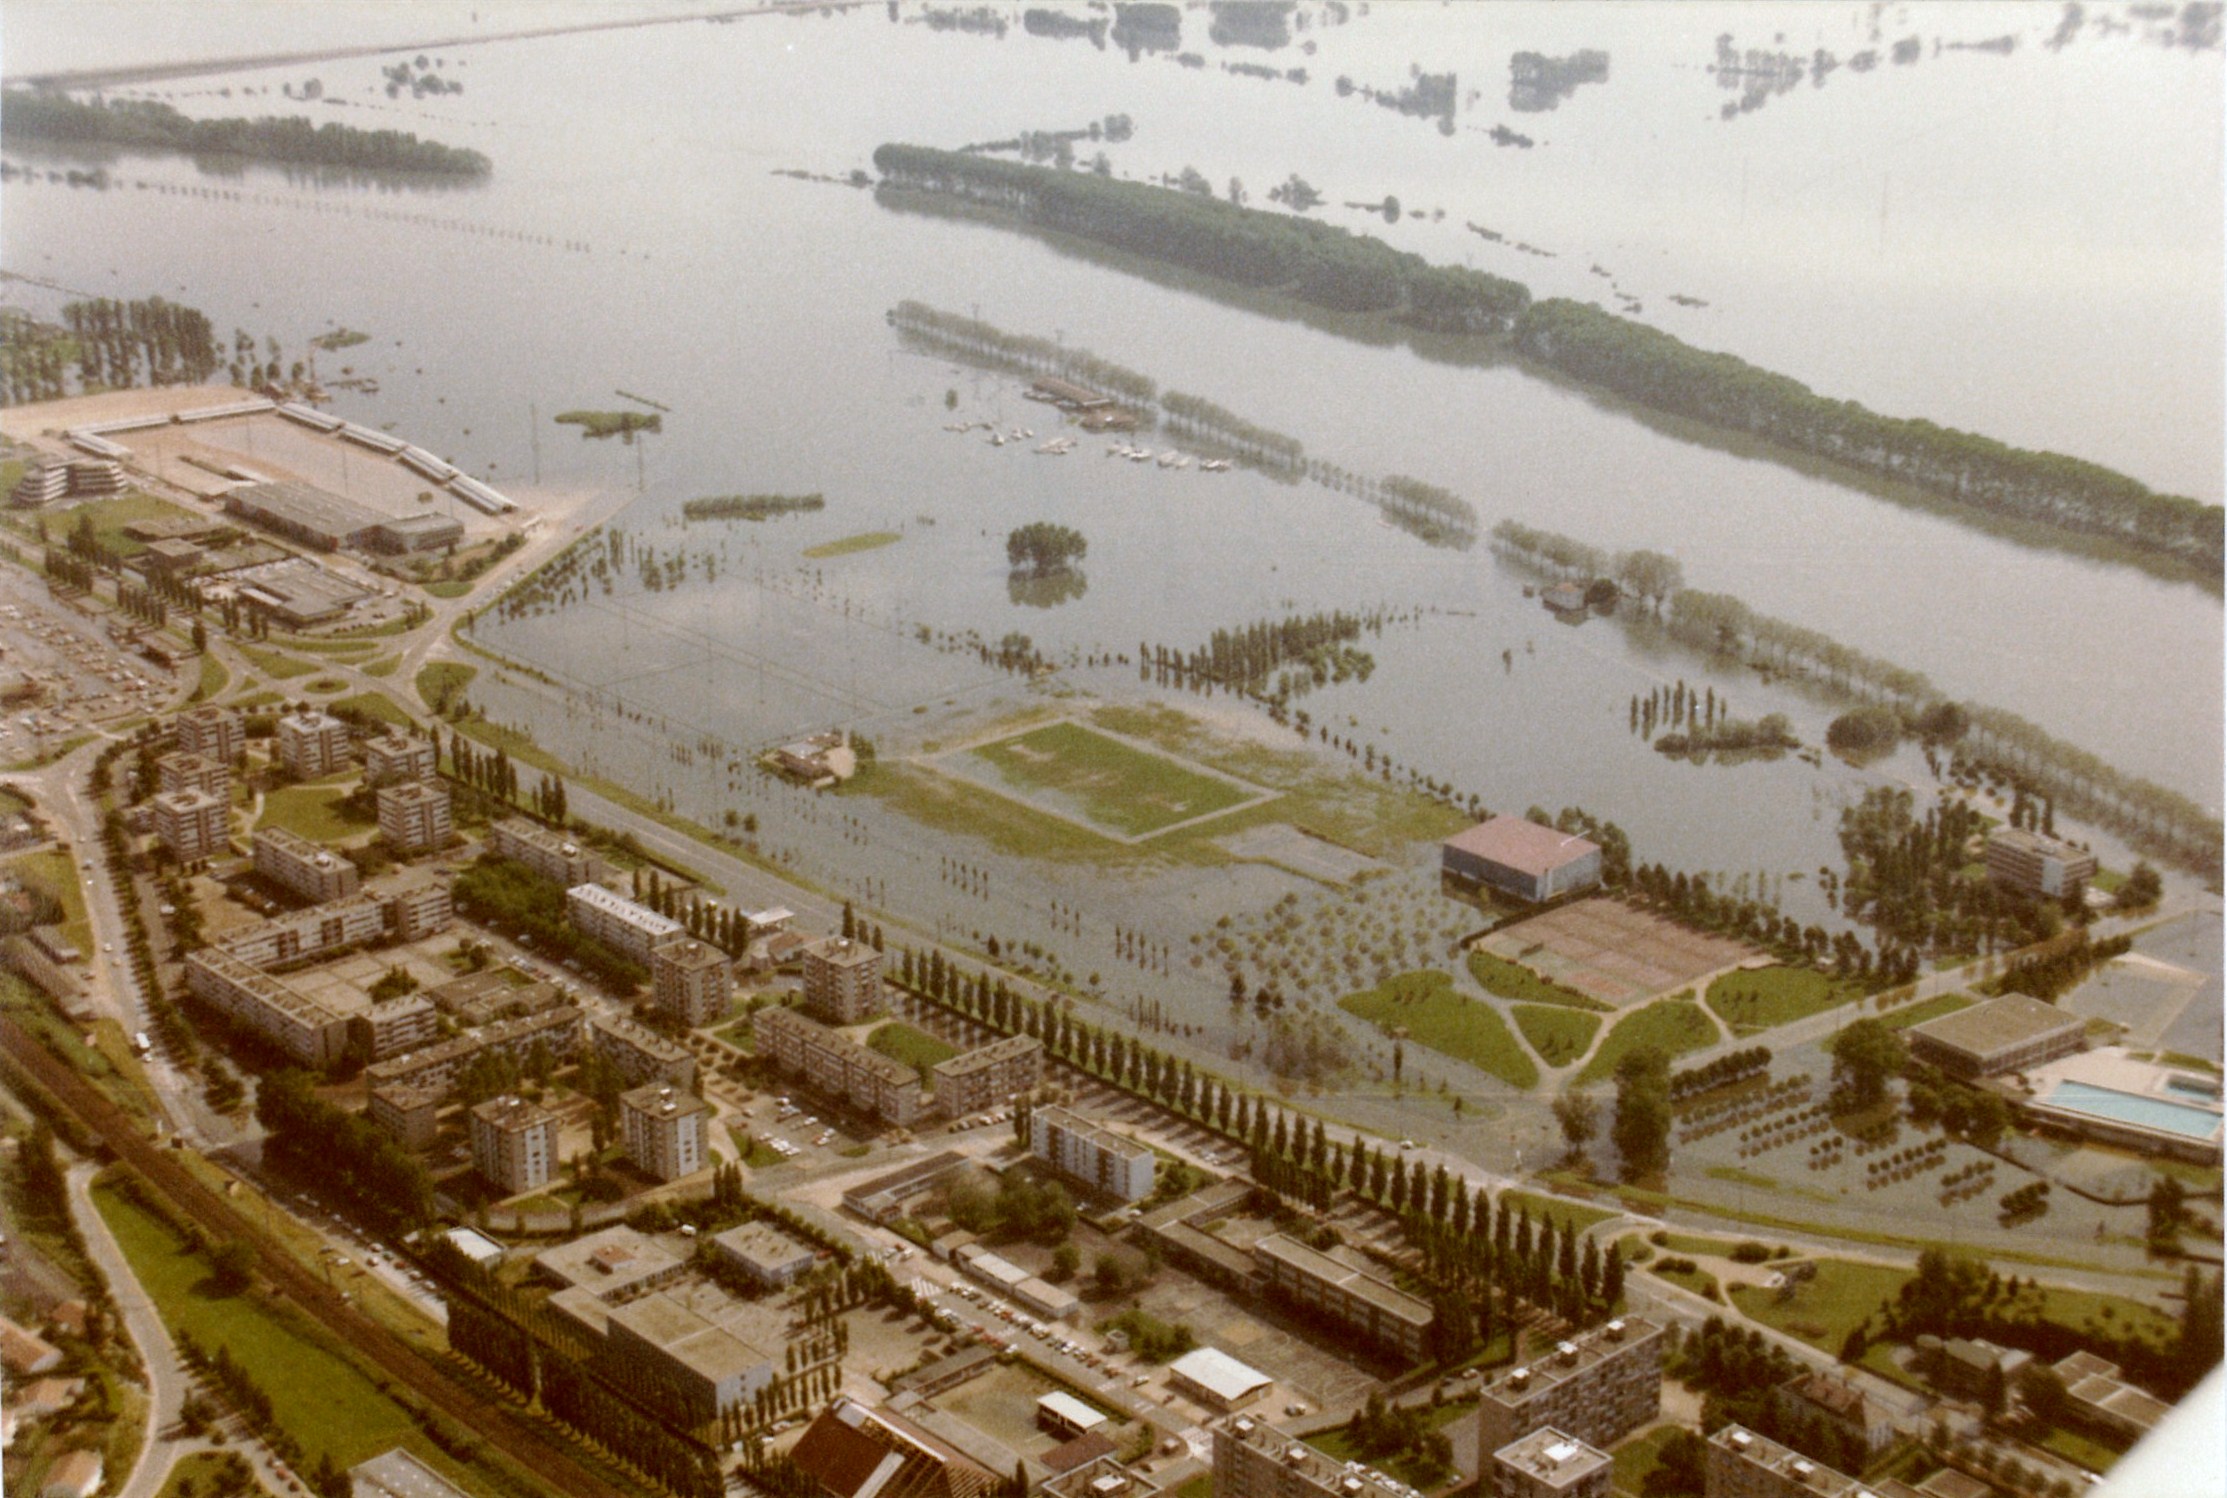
(494, 1422)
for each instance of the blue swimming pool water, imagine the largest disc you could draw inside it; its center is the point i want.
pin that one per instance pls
(2123, 1107)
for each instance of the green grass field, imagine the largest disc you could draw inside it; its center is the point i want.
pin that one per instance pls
(208, 1474)
(276, 666)
(1672, 1024)
(443, 680)
(110, 516)
(1426, 1006)
(376, 705)
(1700, 1281)
(1919, 1013)
(915, 1048)
(1822, 1310)
(1569, 1214)
(386, 665)
(1559, 1035)
(1760, 998)
(319, 1396)
(313, 811)
(1512, 980)
(1636, 1458)
(214, 679)
(53, 873)
(1128, 791)
(864, 541)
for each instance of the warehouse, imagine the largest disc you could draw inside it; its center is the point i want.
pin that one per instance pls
(301, 513)
(1515, 857)
(414, 533)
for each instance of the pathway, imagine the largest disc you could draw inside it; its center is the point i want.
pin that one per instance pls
(167, 1381)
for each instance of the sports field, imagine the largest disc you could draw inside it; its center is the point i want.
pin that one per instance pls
(1120, 788)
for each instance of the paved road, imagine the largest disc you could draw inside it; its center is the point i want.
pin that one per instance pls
(167, 1383)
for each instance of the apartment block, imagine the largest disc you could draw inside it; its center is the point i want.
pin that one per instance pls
(294, 863)
(1742, 1464)
(1254, 1459)
(1548, 1464)
(193, 825)
(837, 1066)
(395, 1027)
(514, 1143)
(1598, 1388)
(1374, 1309)
(304, 1029)
(303, 934)
(2035, 864)
(1097, 1157)
(410, 1115)
(988, 1076)
(693, 981)
(195, 772)
(437, 1066)
(641, 1055)
(664, 1130)
(414, 816)
(620, 924)
(417, 907)
(312, 743)
(843, 981)
(213, 733)
(395, 758)
(551, 855)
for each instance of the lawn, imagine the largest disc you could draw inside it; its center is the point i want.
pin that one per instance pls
(209, 1473)
(1337, 1444)
(313, 811)
(1512, 980)
(442, 681)
(52, 873)
(213, 679)
(386, 665)
(325, 1401)
(755, 1152)
(1126, 790)
(1425, 1006)
(864, 541)
(110, 516)
(1637, 1457)
(375, 705)
(449, 587)
(915, 1048)
(1822, 1310)
(1756, 999)
(1673, 1025)
(1569, 1214)
(1700, 1281)
(1559, 1035)
(1919, 1013)
(2080, 1450)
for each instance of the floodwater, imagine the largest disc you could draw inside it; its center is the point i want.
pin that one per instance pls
(2024, 243)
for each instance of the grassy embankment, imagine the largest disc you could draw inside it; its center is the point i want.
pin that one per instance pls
(864, 541)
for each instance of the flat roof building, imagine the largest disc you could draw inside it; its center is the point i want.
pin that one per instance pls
(641, 1054)
(1742, 1464)
(193, 825)
(304, 868)
(1548, 1464)
(1253, 1459)
(393, 757)
(1065, 1416)
(693, 981)
(395, 1027)
(1599, 1387)
(1521, 858)
(195, 772)
(556, 1030)
(414, 533)
(700, 1349)
(306, 514)
(664, 1130)
(212, 732)
(303, 1028)
(409, 1115)
(551, 855)
(397, 1474)
(414, 816)
(766, 1253)
(2097, 1392)
(2011, 1033)
(312, 743)
(886, 1197)
(988, 1076)
(2036, 865)
(620, 924)
(843, 981)
(299, 593)
(616, 1261)
(1371, 1307)
(1213, 1378)
(318, 931)
(1099, 1158)
(831, 1063)
(514, 1144)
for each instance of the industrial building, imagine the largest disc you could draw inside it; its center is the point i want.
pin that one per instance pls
(299, 593)
(693, 981)
(664, 1131)
(625, 927)
(1372, 1308)
(193, 825)
(551, 855)
(308, 515)
(851, 1451)
(1098, 1158)
(701, 1349)
(312, 743)
(988, 1076)
(1548, 1464)
(395, 757)
(302, 867)
(514, 1144)
(641, 1055)
(2037, 865)
(415, 533)
(1599, 1388)
(2011, 1033)
(843, 981)
(833, 1064)
(1514, 857)
(889, 1196)
(414, 816)
(770, 1256)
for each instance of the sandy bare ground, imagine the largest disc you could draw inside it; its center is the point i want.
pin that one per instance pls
(43, 423)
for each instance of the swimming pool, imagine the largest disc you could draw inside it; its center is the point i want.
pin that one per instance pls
(2128, 1108)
